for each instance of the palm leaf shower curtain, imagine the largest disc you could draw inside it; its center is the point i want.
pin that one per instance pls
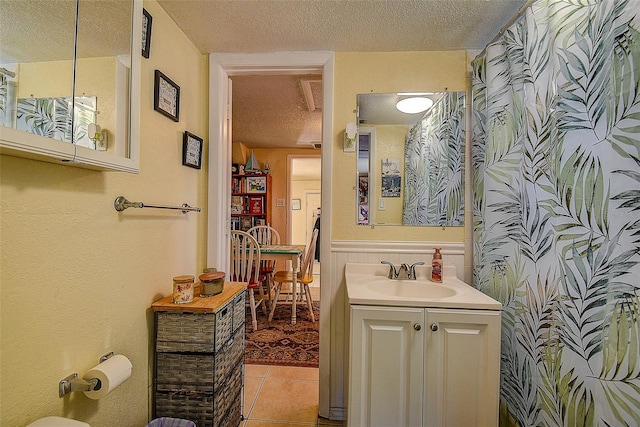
(434, 160)
(556, 180)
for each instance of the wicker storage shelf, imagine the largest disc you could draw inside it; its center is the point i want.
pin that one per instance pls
(199, 359)
(203, 408)
(199, 371)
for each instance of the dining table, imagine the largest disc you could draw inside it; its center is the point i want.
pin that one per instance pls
(285, 253)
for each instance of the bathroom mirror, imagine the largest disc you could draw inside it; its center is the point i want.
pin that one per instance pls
(410, 166)
(69, 84)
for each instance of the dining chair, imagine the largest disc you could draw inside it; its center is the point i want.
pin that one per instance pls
(266, 235)
(303, 278)
(245, 268)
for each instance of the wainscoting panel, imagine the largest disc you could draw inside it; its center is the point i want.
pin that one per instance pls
(338, 310)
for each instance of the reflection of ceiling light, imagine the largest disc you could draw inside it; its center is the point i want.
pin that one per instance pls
(414, 105)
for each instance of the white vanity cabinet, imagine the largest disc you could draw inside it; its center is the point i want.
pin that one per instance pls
(386, 366)
(462, 367)
(415, 366)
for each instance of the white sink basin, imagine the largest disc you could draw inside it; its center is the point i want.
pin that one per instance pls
(408, 288)
(368, 284)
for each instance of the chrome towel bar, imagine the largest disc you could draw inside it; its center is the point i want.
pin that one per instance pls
(121, 203)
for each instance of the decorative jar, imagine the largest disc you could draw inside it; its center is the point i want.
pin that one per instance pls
(211, 283)
(183, 289)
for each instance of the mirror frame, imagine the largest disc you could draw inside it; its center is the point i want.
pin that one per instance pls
(18, 143)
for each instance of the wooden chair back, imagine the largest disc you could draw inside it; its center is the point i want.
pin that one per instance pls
(245, 257)
(306, 270)
(265, 234)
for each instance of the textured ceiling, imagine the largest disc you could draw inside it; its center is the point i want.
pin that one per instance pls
(339, 25)
(270, 111)
(273, 111)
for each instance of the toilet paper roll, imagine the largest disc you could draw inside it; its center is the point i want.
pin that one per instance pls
(110, 374)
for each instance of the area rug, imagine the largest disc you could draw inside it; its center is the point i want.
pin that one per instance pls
(283, 344)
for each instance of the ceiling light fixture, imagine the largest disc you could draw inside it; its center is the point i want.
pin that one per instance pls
(414, 105)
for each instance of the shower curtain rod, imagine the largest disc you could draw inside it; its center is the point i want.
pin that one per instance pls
(508, 24)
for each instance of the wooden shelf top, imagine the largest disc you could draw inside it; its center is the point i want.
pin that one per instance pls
(201, 305)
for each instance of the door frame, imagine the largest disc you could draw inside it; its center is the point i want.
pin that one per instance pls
(221, 66)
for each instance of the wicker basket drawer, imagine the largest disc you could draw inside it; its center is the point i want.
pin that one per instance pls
(205, 409)
(238, 311)
(203, 372)
(206, 332)
(233, 418)
(226, 396)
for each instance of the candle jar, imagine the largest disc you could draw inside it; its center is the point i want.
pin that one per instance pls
(183, 289)
(211, 283)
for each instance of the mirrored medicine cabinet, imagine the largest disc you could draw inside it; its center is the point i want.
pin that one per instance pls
(410, 167)
(70, 82)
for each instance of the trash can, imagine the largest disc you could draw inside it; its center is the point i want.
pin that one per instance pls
(171, 422)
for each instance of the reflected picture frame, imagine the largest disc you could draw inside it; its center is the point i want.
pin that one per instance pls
(166, 96)
(147, 20)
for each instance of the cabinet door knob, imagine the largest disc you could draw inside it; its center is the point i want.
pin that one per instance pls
(434, 327)
(417, 326)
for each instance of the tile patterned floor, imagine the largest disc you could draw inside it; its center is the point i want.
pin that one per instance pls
(282, 396)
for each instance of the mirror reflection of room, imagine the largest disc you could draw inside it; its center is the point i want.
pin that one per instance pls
(63, 77)
(411, 168)
(364, 143)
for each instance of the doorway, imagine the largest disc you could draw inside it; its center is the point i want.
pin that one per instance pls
(221, 66)
(305, 187)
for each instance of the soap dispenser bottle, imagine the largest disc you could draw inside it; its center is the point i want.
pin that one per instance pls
(436, 266)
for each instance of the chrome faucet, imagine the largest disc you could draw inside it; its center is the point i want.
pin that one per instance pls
(406, 271)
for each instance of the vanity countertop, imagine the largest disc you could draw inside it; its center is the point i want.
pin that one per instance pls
(201, 305)
(367, 284)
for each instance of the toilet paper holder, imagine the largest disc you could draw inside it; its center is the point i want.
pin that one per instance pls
(73, 383)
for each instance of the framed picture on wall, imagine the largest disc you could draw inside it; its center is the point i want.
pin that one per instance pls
(256, 184)
(166, 96)
(146, 33)
(391, 178)
(191, 150)
(296, 204)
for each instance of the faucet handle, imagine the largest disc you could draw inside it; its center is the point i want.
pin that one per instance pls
(393, 272)
(412, 269)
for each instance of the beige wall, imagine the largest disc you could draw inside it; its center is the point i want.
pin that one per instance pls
(55, 81)
(389, 145)
(364, 72)
(77, 278)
